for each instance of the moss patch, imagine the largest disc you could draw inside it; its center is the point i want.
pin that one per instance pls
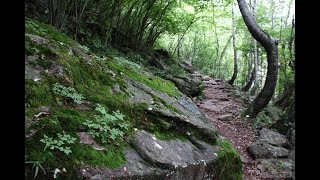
(154, 82)
(113, 157)
(229, 165)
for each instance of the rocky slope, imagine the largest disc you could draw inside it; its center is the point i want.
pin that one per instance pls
(103, 116)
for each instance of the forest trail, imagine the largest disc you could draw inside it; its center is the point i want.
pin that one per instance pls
(222, 104)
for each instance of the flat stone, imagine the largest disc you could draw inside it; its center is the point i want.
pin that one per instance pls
(44, 109)
(244, 159)
(226, 117)
(213, 105)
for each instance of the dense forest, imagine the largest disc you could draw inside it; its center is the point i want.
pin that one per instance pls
(103, 76)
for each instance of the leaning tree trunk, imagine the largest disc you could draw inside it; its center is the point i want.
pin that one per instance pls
(235, 64)
(271, 47)
(248, 85)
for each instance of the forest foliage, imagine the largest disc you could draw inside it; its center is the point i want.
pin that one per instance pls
(199, 32)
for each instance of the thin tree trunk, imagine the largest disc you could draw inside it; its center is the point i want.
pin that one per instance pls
(249, 83)
(235, 64)
(222, 54)
(255, 55)
(271, 47)
(291, 41)
(217, 51)
(182, 36)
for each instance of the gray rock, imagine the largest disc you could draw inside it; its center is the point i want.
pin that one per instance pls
(44, 109)
(85, 138)
(226, 117)
(292, 138)
(214, 105)
(273, 137)
(259, 150)
(173, 153)
(37, 39)
(276, 168)
(80, 53)
(56, 69)
(116, 88)
(187, 66)
(156, 159)
(292, 154)
(189, 84)
(264, 150)
(32, 73)
(189, 113)
(135, 168)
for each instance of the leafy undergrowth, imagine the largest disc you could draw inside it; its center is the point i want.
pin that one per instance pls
(72, 81)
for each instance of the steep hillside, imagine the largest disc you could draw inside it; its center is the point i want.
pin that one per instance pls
(103, 116)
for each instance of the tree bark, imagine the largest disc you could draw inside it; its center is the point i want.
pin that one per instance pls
(57, 9)
(235, 64)
(255, 55)
(221, 56)
(249, 84)
(271, 47)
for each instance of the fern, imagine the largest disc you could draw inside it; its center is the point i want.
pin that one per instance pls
(107, 126)
(68, 92)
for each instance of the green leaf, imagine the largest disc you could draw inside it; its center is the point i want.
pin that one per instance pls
(36, 172)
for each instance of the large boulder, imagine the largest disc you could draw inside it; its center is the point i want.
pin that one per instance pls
(174, 153)
(186, 113)
(188, 84)
(152, 158)
(272, 137)
(135, 168)
(264, 150)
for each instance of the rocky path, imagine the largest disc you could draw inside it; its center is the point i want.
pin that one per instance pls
(222, 104)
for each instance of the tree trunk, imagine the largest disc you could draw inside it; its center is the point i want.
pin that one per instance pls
(221, 56)
(248, 85)
(180, 38)
(57, 9)
(291, 41)
(271, 47)
(235, 64)
(255, 55)
(217, 52)
(283, 101)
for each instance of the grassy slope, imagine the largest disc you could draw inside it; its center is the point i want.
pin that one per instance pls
(95, 83)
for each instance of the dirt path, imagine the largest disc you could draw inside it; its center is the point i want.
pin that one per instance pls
(220, 99)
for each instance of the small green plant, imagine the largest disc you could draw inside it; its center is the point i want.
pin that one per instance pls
(59, 143)
(107, 126)
(262, 120)
(85, 48)
(36, 165)
(68, 92)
